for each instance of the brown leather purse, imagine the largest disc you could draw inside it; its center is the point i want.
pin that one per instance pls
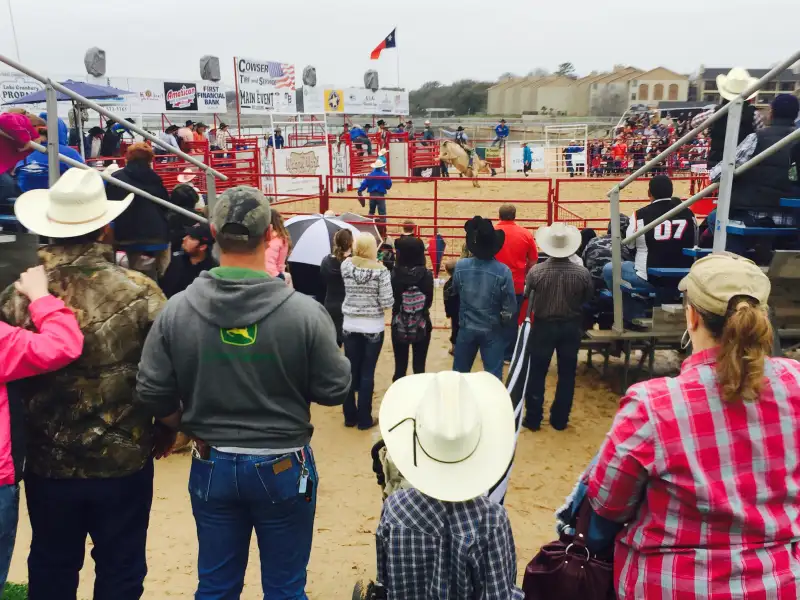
(567, 570)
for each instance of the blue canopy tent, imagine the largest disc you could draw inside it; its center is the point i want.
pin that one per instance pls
(87, 90)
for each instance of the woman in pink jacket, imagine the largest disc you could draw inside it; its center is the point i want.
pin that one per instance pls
(278, 248)
(18, 129)
(24, 353)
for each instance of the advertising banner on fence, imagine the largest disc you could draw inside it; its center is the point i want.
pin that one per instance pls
(515, 154)
(302, 164)
(204, 97)
(180, 96)
(355, 101)
(313, 99)
(334, 101)
(265, 86)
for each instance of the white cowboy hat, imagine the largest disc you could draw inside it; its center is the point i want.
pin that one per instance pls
(450, 434)
(188, 175)
(383, 152)
(559, 240)
(427, 122)
(378, 164)
(75, 205)
(734, 83)
(111, 169)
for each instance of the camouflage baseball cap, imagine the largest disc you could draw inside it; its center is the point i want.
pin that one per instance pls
(241, 213)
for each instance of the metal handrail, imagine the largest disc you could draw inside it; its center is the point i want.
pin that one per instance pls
(126, 186)
(743, 168)
(109, 115)
(774, 72)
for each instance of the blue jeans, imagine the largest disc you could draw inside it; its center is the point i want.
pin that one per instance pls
(632, 308)
(512, 328)
(491, 344)
(114, 512)
(232, 494)
(9, 514)
(363, 350)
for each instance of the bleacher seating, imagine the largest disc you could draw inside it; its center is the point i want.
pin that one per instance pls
(746, 231)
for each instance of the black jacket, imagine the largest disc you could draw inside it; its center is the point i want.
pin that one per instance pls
(405, 277)
(144, 220)
(181, 272)
(717, 132)
(330, 272)
(764, 185)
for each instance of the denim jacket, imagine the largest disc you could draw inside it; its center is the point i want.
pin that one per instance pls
(486, 292)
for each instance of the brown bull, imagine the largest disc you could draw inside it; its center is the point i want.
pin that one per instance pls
(454, 155)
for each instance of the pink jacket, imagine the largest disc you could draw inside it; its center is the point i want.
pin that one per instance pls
(26, 353)
(18, 127)
(275, 256)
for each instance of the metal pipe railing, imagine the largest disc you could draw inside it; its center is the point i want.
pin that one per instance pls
(792, 138)
(109, 115)
(774, 72)
(126, 186)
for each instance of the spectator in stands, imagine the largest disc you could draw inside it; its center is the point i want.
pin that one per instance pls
(710, 454)
(73, 488)
(376, 184)
(597, 253)
(185, 196)
(359, 137)
(383, 135)
(596, 166)
(18, 129)
(331, 273)
(500, 133)
(485, 288)
(401, 128)
(223, 137)
(32, 171)
(92, 142)
(756, 195)
(112, 142)
(368, 293)
(558, 289)
(451, 436)
(278, 247)
(730, 86)
(619, 153)
(200, 130)
(186, 134)
(142, 229)
(169, 137)
(410, 129)
(451, 303)
(427, 134)
(519, 254)
(412, 286)
(196, 257)
(661, 247)
(276, 141)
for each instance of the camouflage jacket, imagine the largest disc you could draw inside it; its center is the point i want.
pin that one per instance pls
(598, 253)
(82, 421)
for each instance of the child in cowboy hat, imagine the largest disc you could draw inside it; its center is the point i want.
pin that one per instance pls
(451, 435)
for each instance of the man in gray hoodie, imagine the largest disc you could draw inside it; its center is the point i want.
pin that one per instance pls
(235, 361)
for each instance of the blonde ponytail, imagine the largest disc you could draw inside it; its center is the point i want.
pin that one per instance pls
(745, 340)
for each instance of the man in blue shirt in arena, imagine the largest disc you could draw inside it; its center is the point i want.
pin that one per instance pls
(376, 184)
(501, 133)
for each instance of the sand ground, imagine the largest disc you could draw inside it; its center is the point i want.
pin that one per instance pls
(349, 502)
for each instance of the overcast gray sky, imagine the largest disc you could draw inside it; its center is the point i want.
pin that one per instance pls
(446, 41)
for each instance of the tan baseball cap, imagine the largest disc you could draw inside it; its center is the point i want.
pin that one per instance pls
(715, 279)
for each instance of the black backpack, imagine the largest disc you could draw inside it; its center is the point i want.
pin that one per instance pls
(410, 323)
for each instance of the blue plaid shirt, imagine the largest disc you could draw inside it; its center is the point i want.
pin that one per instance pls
(445, 550)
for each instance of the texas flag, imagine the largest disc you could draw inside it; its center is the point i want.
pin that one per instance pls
(389, 42)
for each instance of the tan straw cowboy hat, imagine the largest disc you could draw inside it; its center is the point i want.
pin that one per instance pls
(74, 206)
(559, 240)
(734, 83)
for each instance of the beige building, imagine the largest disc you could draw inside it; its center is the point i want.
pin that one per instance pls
(659, 84)
(787, 82)
(600, 94)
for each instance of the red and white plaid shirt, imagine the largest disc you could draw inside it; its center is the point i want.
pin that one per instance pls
(710, 490)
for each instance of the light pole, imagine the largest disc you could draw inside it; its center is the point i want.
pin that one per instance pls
(13, 30)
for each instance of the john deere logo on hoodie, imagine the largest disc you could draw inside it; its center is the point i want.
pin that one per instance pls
(239, 336)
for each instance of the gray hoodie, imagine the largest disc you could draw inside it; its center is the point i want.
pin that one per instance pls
(244, 358)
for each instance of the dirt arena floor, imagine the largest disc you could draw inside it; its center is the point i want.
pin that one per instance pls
(349, 502)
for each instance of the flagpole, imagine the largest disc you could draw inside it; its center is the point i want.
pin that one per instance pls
(397, 52)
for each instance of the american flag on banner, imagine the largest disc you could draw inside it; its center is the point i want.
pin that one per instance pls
(282, 73)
